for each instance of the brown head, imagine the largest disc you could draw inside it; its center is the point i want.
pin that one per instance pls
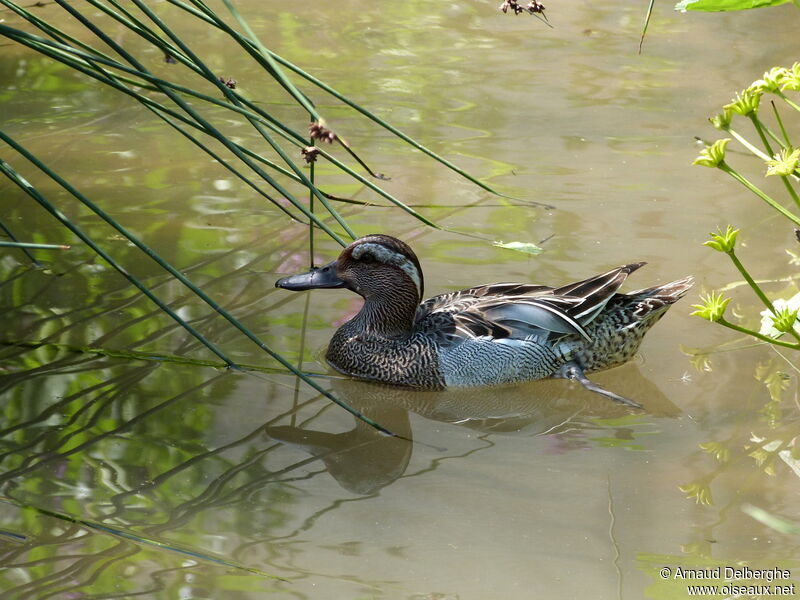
(375, 266)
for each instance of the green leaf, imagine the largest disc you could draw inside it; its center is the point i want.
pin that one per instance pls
(526, 247)
(723, 5)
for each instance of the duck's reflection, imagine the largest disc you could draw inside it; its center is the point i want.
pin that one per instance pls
(363, 460)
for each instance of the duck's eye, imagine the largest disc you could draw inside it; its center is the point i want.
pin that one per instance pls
(367, 257)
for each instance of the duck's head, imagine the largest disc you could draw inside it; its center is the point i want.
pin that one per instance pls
(375, 266)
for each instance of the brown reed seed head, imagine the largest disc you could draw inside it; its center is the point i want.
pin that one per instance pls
(533, 7)
(319, 132)
(310, 154)
(228, 82)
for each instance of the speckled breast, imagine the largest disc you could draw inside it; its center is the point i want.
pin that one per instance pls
(410, 361)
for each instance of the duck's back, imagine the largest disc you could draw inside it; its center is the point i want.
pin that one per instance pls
(505, 333)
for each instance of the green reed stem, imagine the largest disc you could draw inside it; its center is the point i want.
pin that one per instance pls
(193, 114)
(53, 51)
(391, 128)
(312, 173)
(160, 110)
(646, 23)
(254, 111)
(44, 203)
(148, 357)
(250, 46)
(165, 265)
(23, 245)
(16, 242)
(227, 92)
(275, 70)
(56, 33)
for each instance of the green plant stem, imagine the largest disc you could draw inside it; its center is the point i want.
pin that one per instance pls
(777, 114)
(755, 334)
(30, 256)
(191, 112)
(790, 189)
(227, 92)
(764, 130)
(44, 203)
(788, 100)
(751, 282)
(275, 69)
(312, 177)
(251, 48)
(756, 288)
(741, 179)
(49, 49)
(743, 141)
(21, 245)
(169, 268)
(785, 144)
(646, 23)
(148, 357)
(760, 130)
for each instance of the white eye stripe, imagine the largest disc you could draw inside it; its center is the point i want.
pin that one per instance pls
(389, 257)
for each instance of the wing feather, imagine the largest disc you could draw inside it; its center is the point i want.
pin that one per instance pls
(520, 310)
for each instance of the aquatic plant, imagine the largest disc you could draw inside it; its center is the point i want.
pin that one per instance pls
(199, 104)
(780, 154)
(770, 444)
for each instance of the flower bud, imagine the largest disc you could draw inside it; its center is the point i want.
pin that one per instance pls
(771, 81)
(784, 163)
(712, 155)
(723, 242)
(746, 103)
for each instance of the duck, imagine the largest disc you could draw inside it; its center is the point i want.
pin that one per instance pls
(492, 334)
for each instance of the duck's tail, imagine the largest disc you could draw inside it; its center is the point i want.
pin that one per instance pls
(658, 298)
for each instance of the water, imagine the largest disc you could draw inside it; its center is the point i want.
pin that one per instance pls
(123, 477)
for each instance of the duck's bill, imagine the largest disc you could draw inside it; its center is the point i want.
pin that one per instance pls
(324, 277)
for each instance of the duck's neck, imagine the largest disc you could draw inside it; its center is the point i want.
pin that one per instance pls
(388, 315)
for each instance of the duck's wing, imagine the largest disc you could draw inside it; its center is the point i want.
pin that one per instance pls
(463, 299)
(512, 310)
(596, 291)
(529, 316)
(458, 316)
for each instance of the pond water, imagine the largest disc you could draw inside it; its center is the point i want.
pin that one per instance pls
(126, 478)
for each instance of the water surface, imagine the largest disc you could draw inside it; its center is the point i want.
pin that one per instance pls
(137, 478)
